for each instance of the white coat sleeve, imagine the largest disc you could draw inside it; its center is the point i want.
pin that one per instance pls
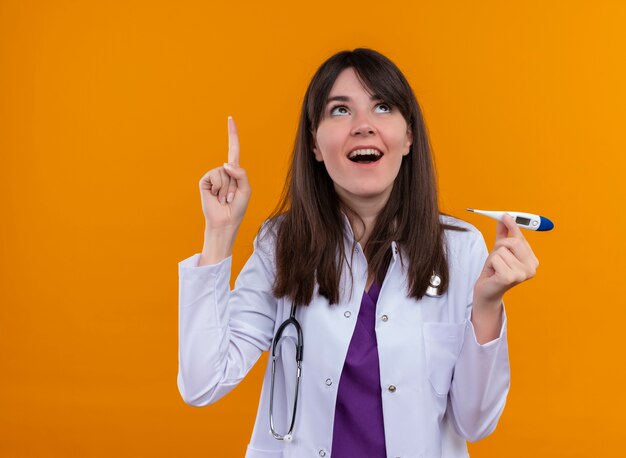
(222, 333)
(481, 377)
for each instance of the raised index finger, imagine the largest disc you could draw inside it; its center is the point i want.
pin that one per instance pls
(233, 142)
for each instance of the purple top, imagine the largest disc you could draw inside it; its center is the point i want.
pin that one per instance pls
(359, 428)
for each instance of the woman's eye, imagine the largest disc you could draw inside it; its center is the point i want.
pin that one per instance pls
(339, 110)
(384, 107)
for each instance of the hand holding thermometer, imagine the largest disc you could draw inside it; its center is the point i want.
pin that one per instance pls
(523, 220)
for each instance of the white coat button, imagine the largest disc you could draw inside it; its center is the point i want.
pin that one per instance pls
(392, 388)
(347, 314)
(329, 382)
(384, 317)
(322, 453)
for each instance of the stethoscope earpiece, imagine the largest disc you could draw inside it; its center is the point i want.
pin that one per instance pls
(433, 288)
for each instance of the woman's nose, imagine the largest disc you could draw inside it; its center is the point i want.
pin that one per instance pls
(363, 126)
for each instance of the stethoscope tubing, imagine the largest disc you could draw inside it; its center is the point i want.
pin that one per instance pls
(299, 353)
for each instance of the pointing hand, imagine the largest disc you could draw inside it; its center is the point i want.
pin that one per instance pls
(225, 190)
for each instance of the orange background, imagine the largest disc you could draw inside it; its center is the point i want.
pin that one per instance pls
(110, 112)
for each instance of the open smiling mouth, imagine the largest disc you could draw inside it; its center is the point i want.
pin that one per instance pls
(365, 156)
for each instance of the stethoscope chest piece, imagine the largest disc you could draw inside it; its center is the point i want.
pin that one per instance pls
(433, 288)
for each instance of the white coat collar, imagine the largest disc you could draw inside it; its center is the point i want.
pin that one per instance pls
(349, 235)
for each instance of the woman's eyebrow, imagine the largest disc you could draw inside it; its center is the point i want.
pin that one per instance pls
(345, 98)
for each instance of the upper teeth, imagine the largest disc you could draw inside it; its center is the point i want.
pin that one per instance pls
(365, 152)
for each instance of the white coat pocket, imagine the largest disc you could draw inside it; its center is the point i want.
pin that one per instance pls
(442, 344)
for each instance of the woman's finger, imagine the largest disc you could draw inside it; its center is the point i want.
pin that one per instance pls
(520, 248)
(211, 182)
(513, 228)
(507, 228)
(531, 252)
(233, 142)
(237, 173)
(232, 188)
(503, 278)
(516, 271)
(501, 230)
(224, 188)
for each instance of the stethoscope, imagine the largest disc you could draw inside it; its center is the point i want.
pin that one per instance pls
(432, 291)
(291, 321)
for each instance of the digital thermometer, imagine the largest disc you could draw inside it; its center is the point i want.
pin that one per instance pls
(523, 220)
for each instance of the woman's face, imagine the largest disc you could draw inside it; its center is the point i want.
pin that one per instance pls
(354, 122)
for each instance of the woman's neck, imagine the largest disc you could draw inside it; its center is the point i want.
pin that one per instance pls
(362, 214)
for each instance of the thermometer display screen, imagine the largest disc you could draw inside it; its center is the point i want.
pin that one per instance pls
(524, 221)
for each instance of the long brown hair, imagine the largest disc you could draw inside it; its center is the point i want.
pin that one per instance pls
(308, 223)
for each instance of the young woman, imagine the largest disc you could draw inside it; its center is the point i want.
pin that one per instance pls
(384, 317)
